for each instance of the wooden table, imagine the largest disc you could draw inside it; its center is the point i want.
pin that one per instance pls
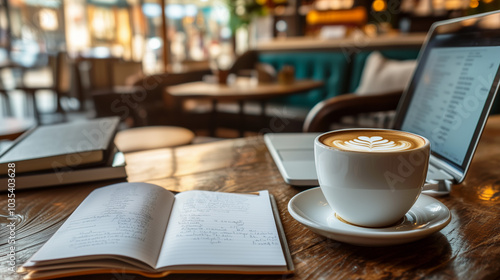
(468, 248)
(242, 90)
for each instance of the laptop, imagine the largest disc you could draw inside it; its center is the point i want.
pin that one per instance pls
(448, 101)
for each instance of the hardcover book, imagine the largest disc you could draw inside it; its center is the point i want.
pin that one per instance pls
(73, 144)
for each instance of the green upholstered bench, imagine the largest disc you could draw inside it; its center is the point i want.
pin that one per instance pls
(341, 73)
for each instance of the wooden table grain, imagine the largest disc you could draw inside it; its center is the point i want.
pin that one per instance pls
(468, 248)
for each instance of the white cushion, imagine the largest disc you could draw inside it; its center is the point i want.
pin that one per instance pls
(382, 75)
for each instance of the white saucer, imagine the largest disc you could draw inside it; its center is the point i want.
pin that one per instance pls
(427, 216)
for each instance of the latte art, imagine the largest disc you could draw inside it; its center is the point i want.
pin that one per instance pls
(372, 140)
(374, 143)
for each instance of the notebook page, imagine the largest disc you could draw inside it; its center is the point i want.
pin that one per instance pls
(213, 228)
(126, 219)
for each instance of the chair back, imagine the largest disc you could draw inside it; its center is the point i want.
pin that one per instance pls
(125, 72)
(101, 73)
(96, 73)
(5, 108)
(246, 61)
(62, 72)
(330, 112)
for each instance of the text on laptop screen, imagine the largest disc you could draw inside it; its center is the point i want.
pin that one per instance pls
(450, 95)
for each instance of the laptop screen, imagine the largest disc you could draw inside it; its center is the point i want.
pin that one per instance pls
(451, 92)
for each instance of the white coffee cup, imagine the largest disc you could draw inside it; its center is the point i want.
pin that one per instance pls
(371, 177)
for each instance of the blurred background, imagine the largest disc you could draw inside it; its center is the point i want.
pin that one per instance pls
(193, 30)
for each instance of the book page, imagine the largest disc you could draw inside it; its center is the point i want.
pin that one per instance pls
(213, 228)
(127, 219)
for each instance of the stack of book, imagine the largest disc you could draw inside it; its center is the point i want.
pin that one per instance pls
(62, 154)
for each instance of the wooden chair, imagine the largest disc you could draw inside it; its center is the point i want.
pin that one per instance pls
(97, 73)
(4, 97)
(11, 127)
(126, 73)
(100, 78)
(61, 84)
(143, 104)
(334, 109)
(160, 107)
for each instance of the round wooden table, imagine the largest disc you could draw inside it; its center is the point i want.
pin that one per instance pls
(241, 91)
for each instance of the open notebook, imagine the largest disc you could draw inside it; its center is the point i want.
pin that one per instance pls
(144, 229)
(447, 101)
